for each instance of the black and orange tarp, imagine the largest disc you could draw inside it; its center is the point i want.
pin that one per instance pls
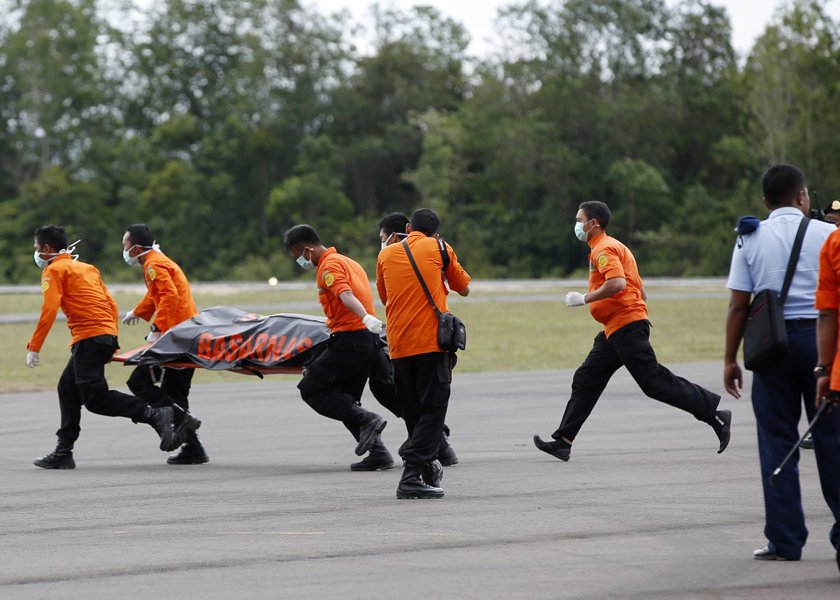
(224, 338)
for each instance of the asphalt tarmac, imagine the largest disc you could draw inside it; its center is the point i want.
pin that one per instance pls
(644, 509)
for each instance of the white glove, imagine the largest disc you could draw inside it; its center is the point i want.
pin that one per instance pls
(130, 318)
(32, 359)
(575, 299)
(153, 337)
(373, 324)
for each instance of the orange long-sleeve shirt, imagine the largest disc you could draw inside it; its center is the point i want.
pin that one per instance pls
(77, 289)
(167, 293)
(411, 323)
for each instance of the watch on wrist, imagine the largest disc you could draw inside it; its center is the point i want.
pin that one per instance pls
(822, 371)
(153, 327)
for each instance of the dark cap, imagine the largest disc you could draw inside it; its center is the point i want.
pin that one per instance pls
(832, 207)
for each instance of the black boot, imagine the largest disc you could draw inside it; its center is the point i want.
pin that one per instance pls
(161, 421)
(60, 458)
(378, 459)
(412, 486)
(446, 453)
(368, 432)
(191, 453)
(433, 474)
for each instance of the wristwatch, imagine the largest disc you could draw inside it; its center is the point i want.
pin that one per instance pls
(153, 327)
(822, 371)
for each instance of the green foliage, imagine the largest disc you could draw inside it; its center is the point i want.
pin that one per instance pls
(222, 123)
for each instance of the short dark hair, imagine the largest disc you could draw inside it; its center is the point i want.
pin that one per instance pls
(393, 223)
(300, 234)
(140, 234)
(52, 235)
(598, 211)
(425, 220)
(781, 183)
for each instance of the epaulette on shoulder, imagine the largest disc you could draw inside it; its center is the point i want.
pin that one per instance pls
(747, 225)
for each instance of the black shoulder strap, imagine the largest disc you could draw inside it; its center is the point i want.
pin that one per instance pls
(444, 255)
(794, 258)
(420, 277)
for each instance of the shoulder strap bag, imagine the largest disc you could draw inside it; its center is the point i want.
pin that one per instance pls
(765, 336)
(452, 333)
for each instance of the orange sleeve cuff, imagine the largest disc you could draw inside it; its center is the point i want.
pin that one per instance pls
(826, 300)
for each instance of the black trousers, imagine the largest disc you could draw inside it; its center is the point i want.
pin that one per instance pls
(174, 387)
(83, 384)
(630, 347)
(334, 382)
(382, 384)
(423, 388)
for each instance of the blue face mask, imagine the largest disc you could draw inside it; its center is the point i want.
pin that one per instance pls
(305, 264)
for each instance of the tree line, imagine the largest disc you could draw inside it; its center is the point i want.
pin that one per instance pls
(221, 123)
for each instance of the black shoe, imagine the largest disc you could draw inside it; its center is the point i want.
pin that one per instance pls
(60, 458)
(807, 443)
(403, 447)
(446, 454)
(558, 449)
(368, 432)
(722, 426)
(767, 554)
(191, 453)
(414, 487)
(378, 459)
(433, 474)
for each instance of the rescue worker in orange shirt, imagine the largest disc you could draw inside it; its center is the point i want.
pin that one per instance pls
(333, 383)
(77, 289)
(616, 298)
(168, 301)
(392, 230)
(423, 370)
(826, 431)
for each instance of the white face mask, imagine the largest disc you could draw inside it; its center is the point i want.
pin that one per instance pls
(44, 262)
(133, 261)
(388, 239)
(305, 264)
(579, 232)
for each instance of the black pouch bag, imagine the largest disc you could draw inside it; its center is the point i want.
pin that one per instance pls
(452, 333)
(765, 336)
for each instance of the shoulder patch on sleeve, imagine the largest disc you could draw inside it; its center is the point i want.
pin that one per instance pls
(45, 285)
(150, 273)
(602, 259)
(329, 278)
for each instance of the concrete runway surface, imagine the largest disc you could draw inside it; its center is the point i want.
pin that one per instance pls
(644, 509)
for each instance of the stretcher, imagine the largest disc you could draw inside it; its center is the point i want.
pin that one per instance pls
(225, 338)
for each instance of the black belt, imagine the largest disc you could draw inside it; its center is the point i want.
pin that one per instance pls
(800, 323)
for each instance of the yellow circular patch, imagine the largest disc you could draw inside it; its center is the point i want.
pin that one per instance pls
(151, 273)
(602, 261)
(45, 285)
(329, 279)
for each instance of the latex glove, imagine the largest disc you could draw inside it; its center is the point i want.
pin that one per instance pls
(130, 318)
(32, 359)
(373, 324)
(575, 299)
(153, 337)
